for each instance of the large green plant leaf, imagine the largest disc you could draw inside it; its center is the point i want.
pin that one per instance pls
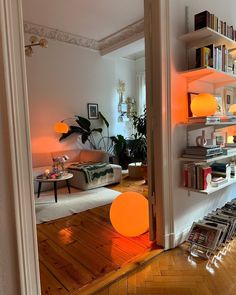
(83, 122)
(65, 135)
(104, 119)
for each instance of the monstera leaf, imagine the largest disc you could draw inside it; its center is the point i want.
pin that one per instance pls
(83, 123)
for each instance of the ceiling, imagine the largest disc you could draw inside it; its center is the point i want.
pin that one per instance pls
(95, 19)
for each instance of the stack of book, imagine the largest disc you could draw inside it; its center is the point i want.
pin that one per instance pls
(197, 175)
(200, 152)
(212, 119)
(207, 19)
(217, 57)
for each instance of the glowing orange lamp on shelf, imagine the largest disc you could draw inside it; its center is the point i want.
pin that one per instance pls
(129, 214)
(204, 104)
(61, 127)
(232, 109)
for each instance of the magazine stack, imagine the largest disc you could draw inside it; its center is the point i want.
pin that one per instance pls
(213, 234)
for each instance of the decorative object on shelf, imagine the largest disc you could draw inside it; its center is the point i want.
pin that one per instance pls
(203, 104)
(228, 99)
(34, 41)
(201, 139)
(93, 113)
(129, 214)
(220, 105)
(220, 137)
(126, 107)
(191, 96)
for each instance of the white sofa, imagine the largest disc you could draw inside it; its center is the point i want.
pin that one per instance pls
(43, 161)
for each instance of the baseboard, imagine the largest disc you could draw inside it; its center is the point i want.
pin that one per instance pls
(172, 240)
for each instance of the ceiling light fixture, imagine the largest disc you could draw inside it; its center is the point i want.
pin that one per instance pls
(34, 41)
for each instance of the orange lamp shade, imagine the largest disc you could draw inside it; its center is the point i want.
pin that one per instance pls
(232, 109)
(61, 127)
(204, 104)
(129, 214)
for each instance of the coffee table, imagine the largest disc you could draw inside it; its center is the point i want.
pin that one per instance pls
(65, 177)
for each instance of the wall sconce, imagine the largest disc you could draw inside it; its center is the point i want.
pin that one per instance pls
(34, 41)
(127, 107)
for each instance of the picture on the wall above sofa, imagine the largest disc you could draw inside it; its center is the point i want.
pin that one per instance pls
(93, 113)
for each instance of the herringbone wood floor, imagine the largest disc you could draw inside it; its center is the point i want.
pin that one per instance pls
(173, 273)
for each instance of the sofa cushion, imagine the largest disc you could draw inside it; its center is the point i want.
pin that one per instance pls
(74, 155)
(41, 159)
(94, 156)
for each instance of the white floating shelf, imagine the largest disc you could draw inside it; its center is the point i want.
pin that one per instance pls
(210, 160)
(210, 189)
(209, 75)
(207, 36)
(219, 125)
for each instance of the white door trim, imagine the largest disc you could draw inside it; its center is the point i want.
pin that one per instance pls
(14, 97)
(159, 116)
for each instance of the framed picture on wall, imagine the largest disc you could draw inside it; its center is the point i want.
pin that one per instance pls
(93, 111)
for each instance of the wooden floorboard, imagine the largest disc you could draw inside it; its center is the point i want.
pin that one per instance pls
(174, 272)
(81, 249)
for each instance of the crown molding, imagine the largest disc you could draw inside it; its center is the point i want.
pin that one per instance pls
(110, 43)
(123, 37)
(61, 36)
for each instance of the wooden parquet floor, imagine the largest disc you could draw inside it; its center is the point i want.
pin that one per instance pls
(79, 249)
(174, 273)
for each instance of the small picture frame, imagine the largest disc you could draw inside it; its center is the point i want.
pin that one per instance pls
(228, 99)
(220, 105)
(191, 96)
(220, 138)
(93, 111)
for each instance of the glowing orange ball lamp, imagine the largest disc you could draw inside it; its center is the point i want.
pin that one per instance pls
(61, 127)
(129, 214)
(204, 104)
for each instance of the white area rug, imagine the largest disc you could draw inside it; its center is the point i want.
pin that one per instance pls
(68, 204)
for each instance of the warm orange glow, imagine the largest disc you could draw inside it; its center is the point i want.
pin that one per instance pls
(65, 236)
(61, 127)
(129, 214)
(232, 109)
(204, 104)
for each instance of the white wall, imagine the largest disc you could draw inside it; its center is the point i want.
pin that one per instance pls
(188, 208)
(62, 79)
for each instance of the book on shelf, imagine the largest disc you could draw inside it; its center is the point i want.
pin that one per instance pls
(196, 175)
(206, 19)
(203, 151)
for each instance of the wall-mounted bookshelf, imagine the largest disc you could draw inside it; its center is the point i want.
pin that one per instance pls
(210, 75)
(206, 36)
(210, 189)
(209, 160)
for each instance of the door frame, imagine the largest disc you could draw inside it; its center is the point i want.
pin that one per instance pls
(20, 241)
(15, 97)
(158, 85)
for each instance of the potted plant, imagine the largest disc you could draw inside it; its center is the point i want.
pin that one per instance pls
(139, 144)
(121, 150)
